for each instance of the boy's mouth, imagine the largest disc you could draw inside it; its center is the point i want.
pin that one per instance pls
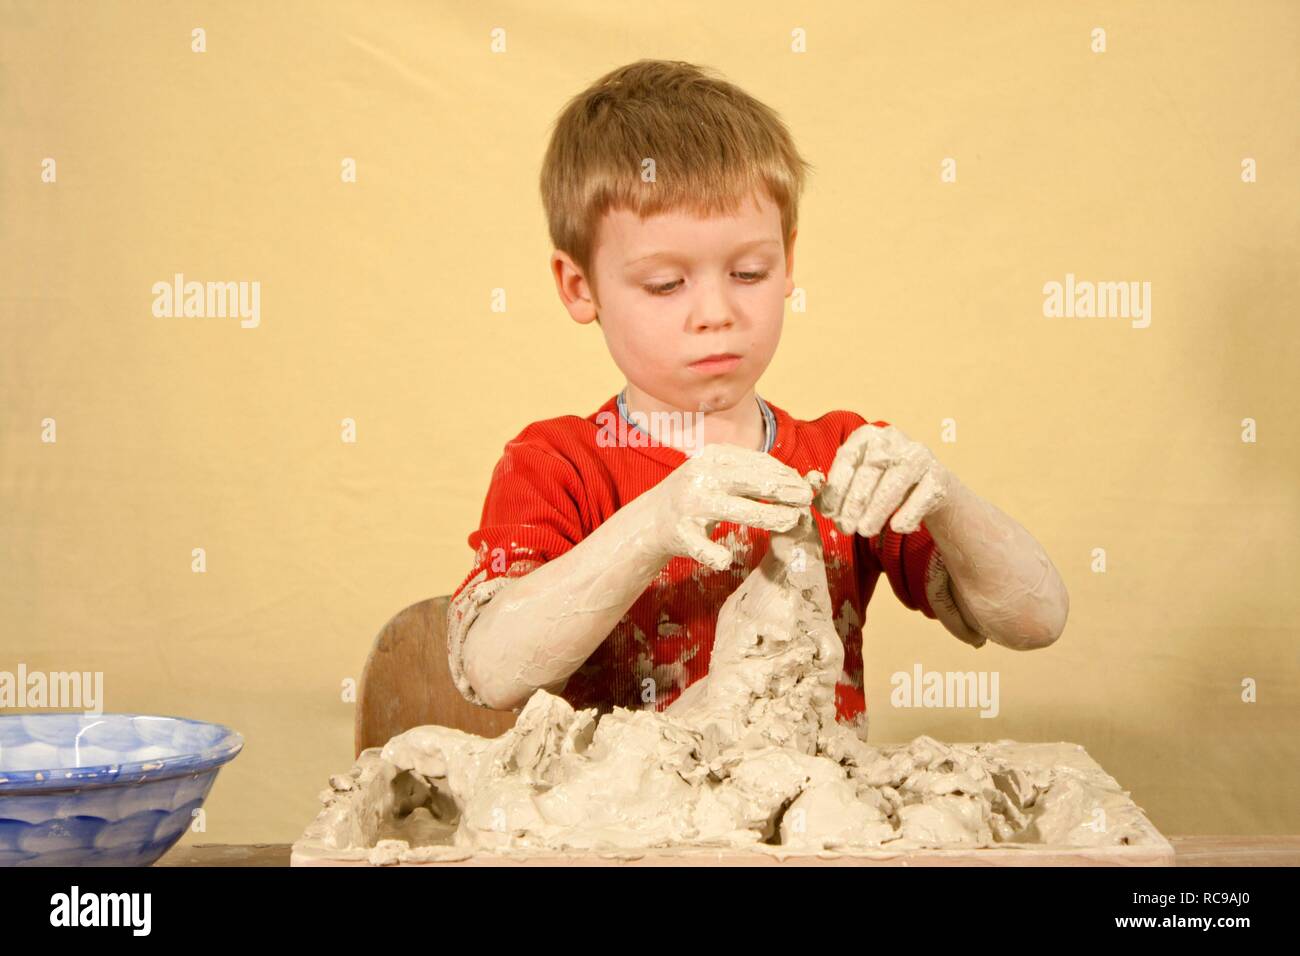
(716, 364)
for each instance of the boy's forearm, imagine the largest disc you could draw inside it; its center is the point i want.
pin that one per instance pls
(1003, 582)
(541, 627)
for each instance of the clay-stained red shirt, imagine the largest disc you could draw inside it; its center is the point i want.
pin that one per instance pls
(555, 484)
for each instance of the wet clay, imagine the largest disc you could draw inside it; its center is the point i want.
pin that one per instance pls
(751, 756)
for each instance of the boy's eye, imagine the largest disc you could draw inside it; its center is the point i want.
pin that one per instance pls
(752, 278)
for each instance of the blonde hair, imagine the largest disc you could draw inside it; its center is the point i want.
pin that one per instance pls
(713, 146)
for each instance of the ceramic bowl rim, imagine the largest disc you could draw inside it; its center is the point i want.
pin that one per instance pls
(211, 757)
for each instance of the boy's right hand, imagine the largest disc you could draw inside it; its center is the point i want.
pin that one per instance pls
(722, 483)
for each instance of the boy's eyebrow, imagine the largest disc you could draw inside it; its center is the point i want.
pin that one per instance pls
(673, 255)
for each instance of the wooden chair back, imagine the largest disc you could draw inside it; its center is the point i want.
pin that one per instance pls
(406, 682)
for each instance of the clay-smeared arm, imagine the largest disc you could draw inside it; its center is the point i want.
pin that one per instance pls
(1001, 581)
(540, 628)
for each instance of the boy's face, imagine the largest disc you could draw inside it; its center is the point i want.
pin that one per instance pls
(676, 292)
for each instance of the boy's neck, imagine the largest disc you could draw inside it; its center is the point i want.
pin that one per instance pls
(741, 424)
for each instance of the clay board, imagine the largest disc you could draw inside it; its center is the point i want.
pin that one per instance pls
(350, 824)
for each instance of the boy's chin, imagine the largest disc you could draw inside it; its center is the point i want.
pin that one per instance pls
(716, 396)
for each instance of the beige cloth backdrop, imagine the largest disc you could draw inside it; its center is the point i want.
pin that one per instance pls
(924, 303)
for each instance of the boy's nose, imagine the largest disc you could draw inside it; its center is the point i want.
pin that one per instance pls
(709, 325)
(711, 311)
(711, 315)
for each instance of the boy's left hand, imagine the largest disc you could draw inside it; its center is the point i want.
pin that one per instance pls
(872, 472)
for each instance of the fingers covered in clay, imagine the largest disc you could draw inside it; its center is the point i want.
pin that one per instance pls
(724, 483)
(893, 486)
(746, 512)
(692, 541)
(928, 494)
(748, 473)
(843, 468)
(879, 472)
(857, 497)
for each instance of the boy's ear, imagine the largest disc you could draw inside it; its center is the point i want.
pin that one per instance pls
(575, 292)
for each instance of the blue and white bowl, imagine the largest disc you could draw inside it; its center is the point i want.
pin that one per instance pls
(112, 790)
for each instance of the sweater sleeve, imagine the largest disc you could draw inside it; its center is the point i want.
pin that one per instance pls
(908, 560)
(532, 513)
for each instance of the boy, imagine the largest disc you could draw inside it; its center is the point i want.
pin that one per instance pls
(606, 551)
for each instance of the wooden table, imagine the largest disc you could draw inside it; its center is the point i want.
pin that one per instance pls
(1189, 851)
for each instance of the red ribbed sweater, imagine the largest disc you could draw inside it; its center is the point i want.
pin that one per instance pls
(555, 484)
